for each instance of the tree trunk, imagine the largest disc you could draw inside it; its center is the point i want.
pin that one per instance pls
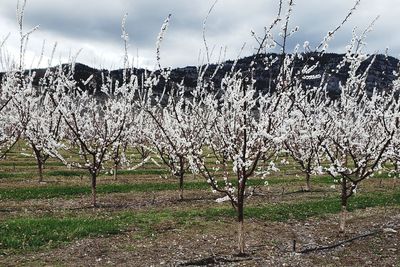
(308, 183)
(115, 171)
(181, 174)
(343, 218)
(343, 212)
(181, 186)
(94, 178)
(39, 162)
(40, 170)
(241, 241)
(143, 154)
(116, 162)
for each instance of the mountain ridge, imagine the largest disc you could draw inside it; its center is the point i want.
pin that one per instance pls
(381, 74)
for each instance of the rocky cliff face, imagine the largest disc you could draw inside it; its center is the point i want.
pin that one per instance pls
(380, 75)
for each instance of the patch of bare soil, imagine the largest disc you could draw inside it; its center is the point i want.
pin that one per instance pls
(214, 244)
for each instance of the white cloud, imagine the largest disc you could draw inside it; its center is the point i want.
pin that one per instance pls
(94, 26)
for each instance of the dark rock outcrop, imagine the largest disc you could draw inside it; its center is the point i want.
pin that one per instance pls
(380, 75)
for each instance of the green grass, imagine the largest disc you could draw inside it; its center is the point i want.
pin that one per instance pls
(65, 173)
(48, 231)
(23, 163)
(36, 233)
(304, 210)
(301, 210)
(142, 171)
(4, 175)
(33, 233)
(69, 191)
(42, 192)
(75, 173)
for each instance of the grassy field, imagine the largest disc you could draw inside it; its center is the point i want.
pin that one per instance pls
(141, 220)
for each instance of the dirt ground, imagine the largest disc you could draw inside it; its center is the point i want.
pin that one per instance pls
(376, 231)
(213, 243)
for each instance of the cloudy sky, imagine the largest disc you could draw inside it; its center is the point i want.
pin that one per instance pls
(95, 27)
